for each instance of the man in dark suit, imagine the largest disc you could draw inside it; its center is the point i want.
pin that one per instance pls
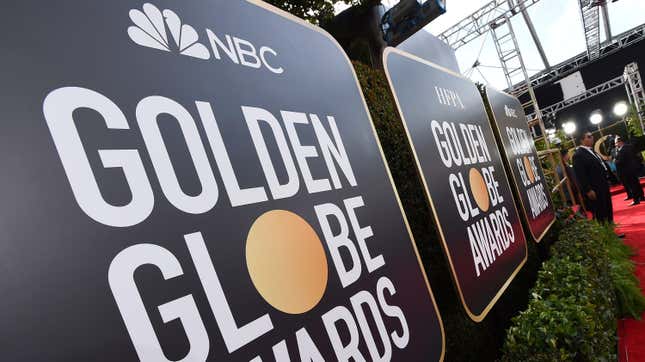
(592, 174)
(614, 154)
(628, 166)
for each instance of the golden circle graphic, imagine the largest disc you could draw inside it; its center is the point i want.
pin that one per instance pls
(529, 169)
(478, 188)
(600, 148)
(286, 261)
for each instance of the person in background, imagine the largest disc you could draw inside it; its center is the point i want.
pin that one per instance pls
(592, 175)
(614, 154)
(610, 144)
(628, 166)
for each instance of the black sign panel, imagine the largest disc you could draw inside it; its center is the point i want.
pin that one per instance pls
(463, 175)
(429, 47)
(195, 180)
(522, 159)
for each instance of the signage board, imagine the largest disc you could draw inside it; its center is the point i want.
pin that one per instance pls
(463, 175)
(509, 122)
(196, 180)
(429, 47)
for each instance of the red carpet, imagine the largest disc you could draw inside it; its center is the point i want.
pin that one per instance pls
(631, 221)
(620, 189)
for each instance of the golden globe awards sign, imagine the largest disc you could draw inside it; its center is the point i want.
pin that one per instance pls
(192, 181)
(463, 175)
(522, 159)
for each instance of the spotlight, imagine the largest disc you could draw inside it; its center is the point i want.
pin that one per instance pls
(569, 127)
(596, 117)
(407, 17)
(620, 109)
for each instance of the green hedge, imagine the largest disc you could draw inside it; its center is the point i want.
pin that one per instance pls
(581, 291)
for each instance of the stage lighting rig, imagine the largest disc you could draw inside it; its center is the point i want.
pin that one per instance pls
(621, 109)
(409, 16)
(596, 117)
(569, 128)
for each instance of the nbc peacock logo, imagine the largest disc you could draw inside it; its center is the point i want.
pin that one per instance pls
(164, 30)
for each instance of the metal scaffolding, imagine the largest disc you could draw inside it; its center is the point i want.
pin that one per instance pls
(602, 88)
(635, 92)
(518, 82)
(514, 69)
(630, 79)
(591, 22)
(605, 15)
(574, 64)
(496, 18)
(478, 23)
